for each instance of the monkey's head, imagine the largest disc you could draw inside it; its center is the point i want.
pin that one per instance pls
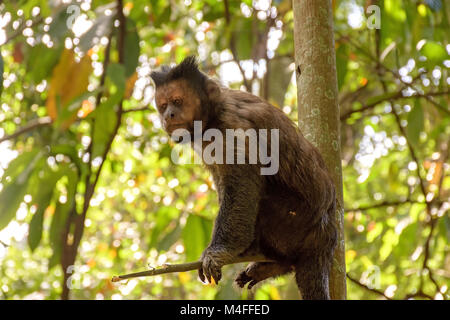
(183, 95)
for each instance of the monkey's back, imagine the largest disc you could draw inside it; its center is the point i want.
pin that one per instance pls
(297, 210)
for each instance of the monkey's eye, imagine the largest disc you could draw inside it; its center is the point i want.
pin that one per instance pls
(177, 102)
(163, 106)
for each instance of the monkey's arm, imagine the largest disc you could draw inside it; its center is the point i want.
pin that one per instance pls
(234, 229)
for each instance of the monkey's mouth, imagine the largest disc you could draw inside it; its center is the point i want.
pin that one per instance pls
(174, 126)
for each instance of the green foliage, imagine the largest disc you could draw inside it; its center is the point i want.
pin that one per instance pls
(196, 236)
(146, 210)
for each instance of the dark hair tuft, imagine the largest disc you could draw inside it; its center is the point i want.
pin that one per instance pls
(187, 69)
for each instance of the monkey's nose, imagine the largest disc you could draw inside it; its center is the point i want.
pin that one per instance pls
(172, 115)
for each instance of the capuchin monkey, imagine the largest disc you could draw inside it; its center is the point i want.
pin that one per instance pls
(287, 216)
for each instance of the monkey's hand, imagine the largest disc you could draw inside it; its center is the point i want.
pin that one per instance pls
(213, 259)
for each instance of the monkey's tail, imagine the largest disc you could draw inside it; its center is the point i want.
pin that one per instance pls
(311, 275)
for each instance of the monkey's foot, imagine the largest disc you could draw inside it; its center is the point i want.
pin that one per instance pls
(259, 271)
(243, 278)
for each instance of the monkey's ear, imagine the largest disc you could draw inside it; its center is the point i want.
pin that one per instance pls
(160, 77)
(212, 90)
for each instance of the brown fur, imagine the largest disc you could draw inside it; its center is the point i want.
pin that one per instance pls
(289, 216)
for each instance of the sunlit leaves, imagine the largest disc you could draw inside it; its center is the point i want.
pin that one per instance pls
(101, 27)
(13, 191)
(375, 232)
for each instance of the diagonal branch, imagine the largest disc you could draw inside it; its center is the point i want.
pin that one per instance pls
(33, 124)
(182, 268)
(391, 97)
(373, 290)
(383, 204)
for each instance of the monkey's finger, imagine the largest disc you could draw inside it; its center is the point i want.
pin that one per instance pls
(251, 284)
(217, 275)
(201, 275)
(211, 274)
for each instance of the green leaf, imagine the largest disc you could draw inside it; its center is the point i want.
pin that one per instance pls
(244, 38)
(39, 69)
(59, 25)
(18, 165)
(13, 192)
(196, 236)
(70, 151)
(341, 63)
(164, 17)
(375, 232)
(164, 217)
(415, 122)
(434, 52)
(42, 200)
(169, 239)
(62, 211)
(132, 48)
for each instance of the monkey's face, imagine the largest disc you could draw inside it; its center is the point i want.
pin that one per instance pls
(178, 106)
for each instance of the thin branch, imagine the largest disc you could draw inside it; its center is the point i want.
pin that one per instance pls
(227, 12)
(384, 204)
(19, 31)
(182, 268)
(233, 46)
(137, 109)
(373, 290)
(33, 124)
(394, 96)
(420, 294)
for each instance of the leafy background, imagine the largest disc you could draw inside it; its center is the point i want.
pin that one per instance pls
(86, 176)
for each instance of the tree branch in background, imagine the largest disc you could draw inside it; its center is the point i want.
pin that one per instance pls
(362, 285)
(171, 268)
(23, 26)
(394, 96)
(233, 46)
(384, 204)
(90, 187)
(33, 124)
(137, 109)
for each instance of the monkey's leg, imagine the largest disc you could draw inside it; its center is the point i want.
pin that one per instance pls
(312, 276)
(259, 271)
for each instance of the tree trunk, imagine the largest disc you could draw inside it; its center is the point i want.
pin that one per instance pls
(315, 62)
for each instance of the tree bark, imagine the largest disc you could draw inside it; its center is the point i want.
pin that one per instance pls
(318, 109)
